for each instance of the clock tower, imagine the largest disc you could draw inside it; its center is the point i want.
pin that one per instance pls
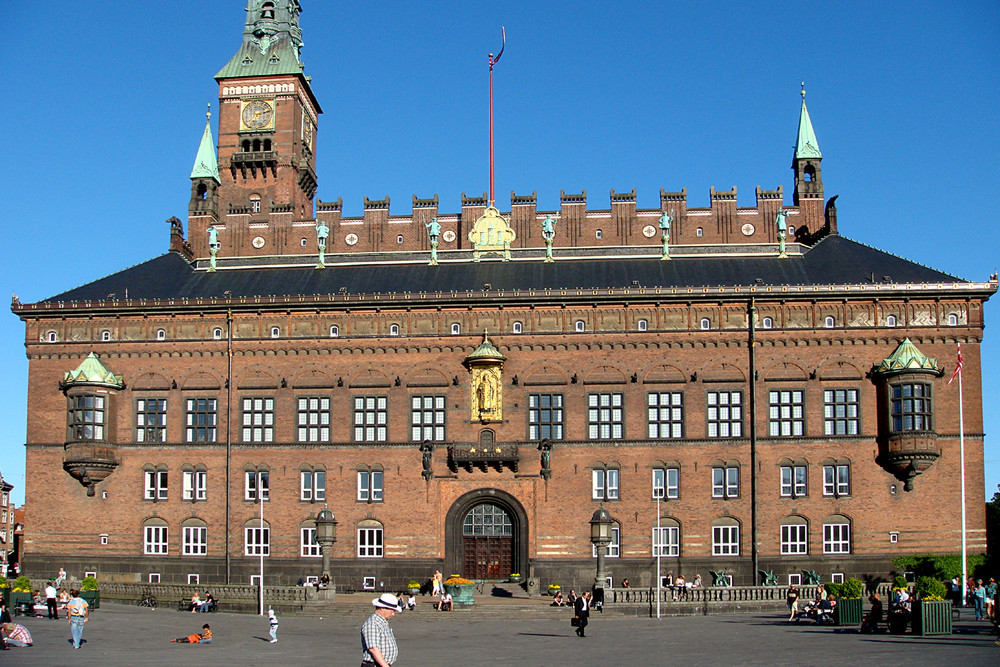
(267, 139)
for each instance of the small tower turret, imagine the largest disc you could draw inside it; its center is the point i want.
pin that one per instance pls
(806, 163)
(205, 175)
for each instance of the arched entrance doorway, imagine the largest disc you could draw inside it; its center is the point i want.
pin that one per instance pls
(486, 535)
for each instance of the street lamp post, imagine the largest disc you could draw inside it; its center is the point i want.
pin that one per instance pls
(326, 535)
(600, 536)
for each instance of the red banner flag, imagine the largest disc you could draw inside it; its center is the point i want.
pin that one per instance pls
(958, 365)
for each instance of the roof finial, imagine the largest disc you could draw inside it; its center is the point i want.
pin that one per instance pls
(208, 114)
(803, 84)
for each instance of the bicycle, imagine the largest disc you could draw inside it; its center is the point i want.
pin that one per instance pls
(148, 600)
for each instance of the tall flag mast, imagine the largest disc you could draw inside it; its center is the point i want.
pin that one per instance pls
(494, 61)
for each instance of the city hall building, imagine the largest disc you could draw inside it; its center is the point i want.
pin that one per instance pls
(742, 388)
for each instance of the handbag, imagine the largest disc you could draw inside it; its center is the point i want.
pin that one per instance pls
(575, 621)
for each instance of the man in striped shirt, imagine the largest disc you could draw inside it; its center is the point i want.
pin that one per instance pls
(378, 644)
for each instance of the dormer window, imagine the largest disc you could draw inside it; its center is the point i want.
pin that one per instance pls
(105, 336)
(161, 334)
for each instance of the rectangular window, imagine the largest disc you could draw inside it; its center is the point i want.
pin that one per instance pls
(308, 546)
(371, 418)
(86, 418)
(840, 412)
(312, 485)
(193, 579)
(605, 416)
(666, 483)
(195, 540)
(725, 414)
(156, 485)
(836, 538)
(370, 543)
(314, 419)
(725, 540)
(726, 482)
(911, 407)
(154, 577)
(151, 420)
(794, 539)
(614, 549)
(667, 541)
(545, 416)
(257, 485)
(793, 481)
(258, 420)
(837, 480)
(201, 419)
(154, 542)
(427, 418)
(370, 486)
(665, 413)
(257, 541)
(195, 485)
(605, 484)
(785, 413)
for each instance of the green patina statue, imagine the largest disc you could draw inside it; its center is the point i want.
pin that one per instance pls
(768, 577)
(433, 231)
(549, 234)
(720, 579)
(782, 222)
(665, 221)
(322, 232)
(811, 578)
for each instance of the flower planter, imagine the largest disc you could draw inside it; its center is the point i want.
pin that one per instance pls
(932, 618)
(414, 591)
(849, 611)
(461, 594)
(5, 595)
(553, 591)
(515, 579)
(92, 598)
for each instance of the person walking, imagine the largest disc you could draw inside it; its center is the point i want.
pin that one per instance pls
(436, 588)
(582, 614)
(979, 598)
(273, 621)
(793, 602)
(50, 600)
(79, 613)
(378, 644)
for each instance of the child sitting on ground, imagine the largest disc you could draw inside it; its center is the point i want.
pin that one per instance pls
(204, 638)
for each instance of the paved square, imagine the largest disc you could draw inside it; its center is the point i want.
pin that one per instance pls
(122, 635)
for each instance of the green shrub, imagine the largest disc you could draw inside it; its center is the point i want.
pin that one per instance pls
(22, 585)
(849, 590)
(3, 582)
(930, 589)
(899, 582)
(89, 584)
(939, 566)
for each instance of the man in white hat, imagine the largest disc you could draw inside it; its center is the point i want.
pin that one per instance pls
(378, 644)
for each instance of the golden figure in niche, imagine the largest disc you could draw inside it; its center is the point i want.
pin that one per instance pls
(487, 399)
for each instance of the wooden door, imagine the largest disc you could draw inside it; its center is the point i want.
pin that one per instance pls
(487, 543)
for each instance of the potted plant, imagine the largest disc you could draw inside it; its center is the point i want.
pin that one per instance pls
(554, 588)
(90, 592)
(460, 590)
(413, 586)
(21, 593)
(515, 577)
(849, 609)
(931, 612)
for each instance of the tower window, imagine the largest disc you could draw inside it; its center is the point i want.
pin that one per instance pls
(161, 334)
(267, 144)
(699, 232)
(643, 325)
(600, 234)
(246, 145)
(217, 333)
(256, 145)
(517, 328)
(399, 240)
(202, 191)
(580, 325)
(105, 336)
(255, 203)
(267, 10)
(275, 332)
(809, 173)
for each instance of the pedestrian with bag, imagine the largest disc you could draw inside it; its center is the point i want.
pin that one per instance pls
(581, 616)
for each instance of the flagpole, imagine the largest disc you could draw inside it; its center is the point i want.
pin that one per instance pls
(659, 547)
(493, 61)
(961, 440)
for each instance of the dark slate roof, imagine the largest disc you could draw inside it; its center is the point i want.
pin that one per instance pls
(835, 260)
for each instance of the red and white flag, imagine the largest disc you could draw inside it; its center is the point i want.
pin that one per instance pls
(958, 365)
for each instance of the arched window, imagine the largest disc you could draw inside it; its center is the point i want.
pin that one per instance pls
(161, 334)
(154, 537)
(829, 322)
(890, 321)
(767, 323)
(794, 535)
(52, 337)
(726, 537)
(255, 203)
(302, 242)
(952, 320)
(267, 145)
(194, 537)
(580, 325)
(246, 145)
(202, 191)
(334, 331)
(105, 335)
(600, 234)
(456, 328)
(706, 324)
(370, 539)
(275, 332)
(393, 329)
(699, 232)
(217, 333)
(810, 173)
(667, 538)
(399, 239)
(517, 327)
(256, 145)
(836, 534)
(256, 538)
(642, 325)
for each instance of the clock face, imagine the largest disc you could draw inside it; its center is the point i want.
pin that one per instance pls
(257, 114)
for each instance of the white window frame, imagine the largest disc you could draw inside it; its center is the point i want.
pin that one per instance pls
(606, 416)
(837, 577)
(308, 546)
(836, 538)
(836, 480)
(393, 329)
(706, 324)
(154, 577)
(195, 485)
(614, 549)
(370, 486)
(371, 542)
(194, 540)
(216, 333)
(725, 482)
(795, 580)
(786, 413)
(580, 326)
(312, 485)
(794, 539)
(666, 483)
(668, 542)
(891, 321)
(105, 336)
(275, 332)
(721, 422)
(254, 479)
(642, 325)
(257, 416)
(256, 539)
(161, 334)
(794, 481)
(334, 331)
(313, 417)
(767, 323)
(193, 579)
(156, 484)
(155, 540)
(456, 328)
(725, 540)
(517, 327)
(605, 483)
(829, 322)
(371, 418)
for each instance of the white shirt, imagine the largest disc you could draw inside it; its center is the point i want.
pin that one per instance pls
(50, 591)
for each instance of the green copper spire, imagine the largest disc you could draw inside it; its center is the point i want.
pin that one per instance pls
(806, 145)
(906, 357)
(272, 41)
(205, 164)
(92, 372)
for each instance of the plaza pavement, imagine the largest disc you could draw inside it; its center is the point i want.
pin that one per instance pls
(124, 635)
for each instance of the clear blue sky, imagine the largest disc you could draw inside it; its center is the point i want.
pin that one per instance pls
(104, 108)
